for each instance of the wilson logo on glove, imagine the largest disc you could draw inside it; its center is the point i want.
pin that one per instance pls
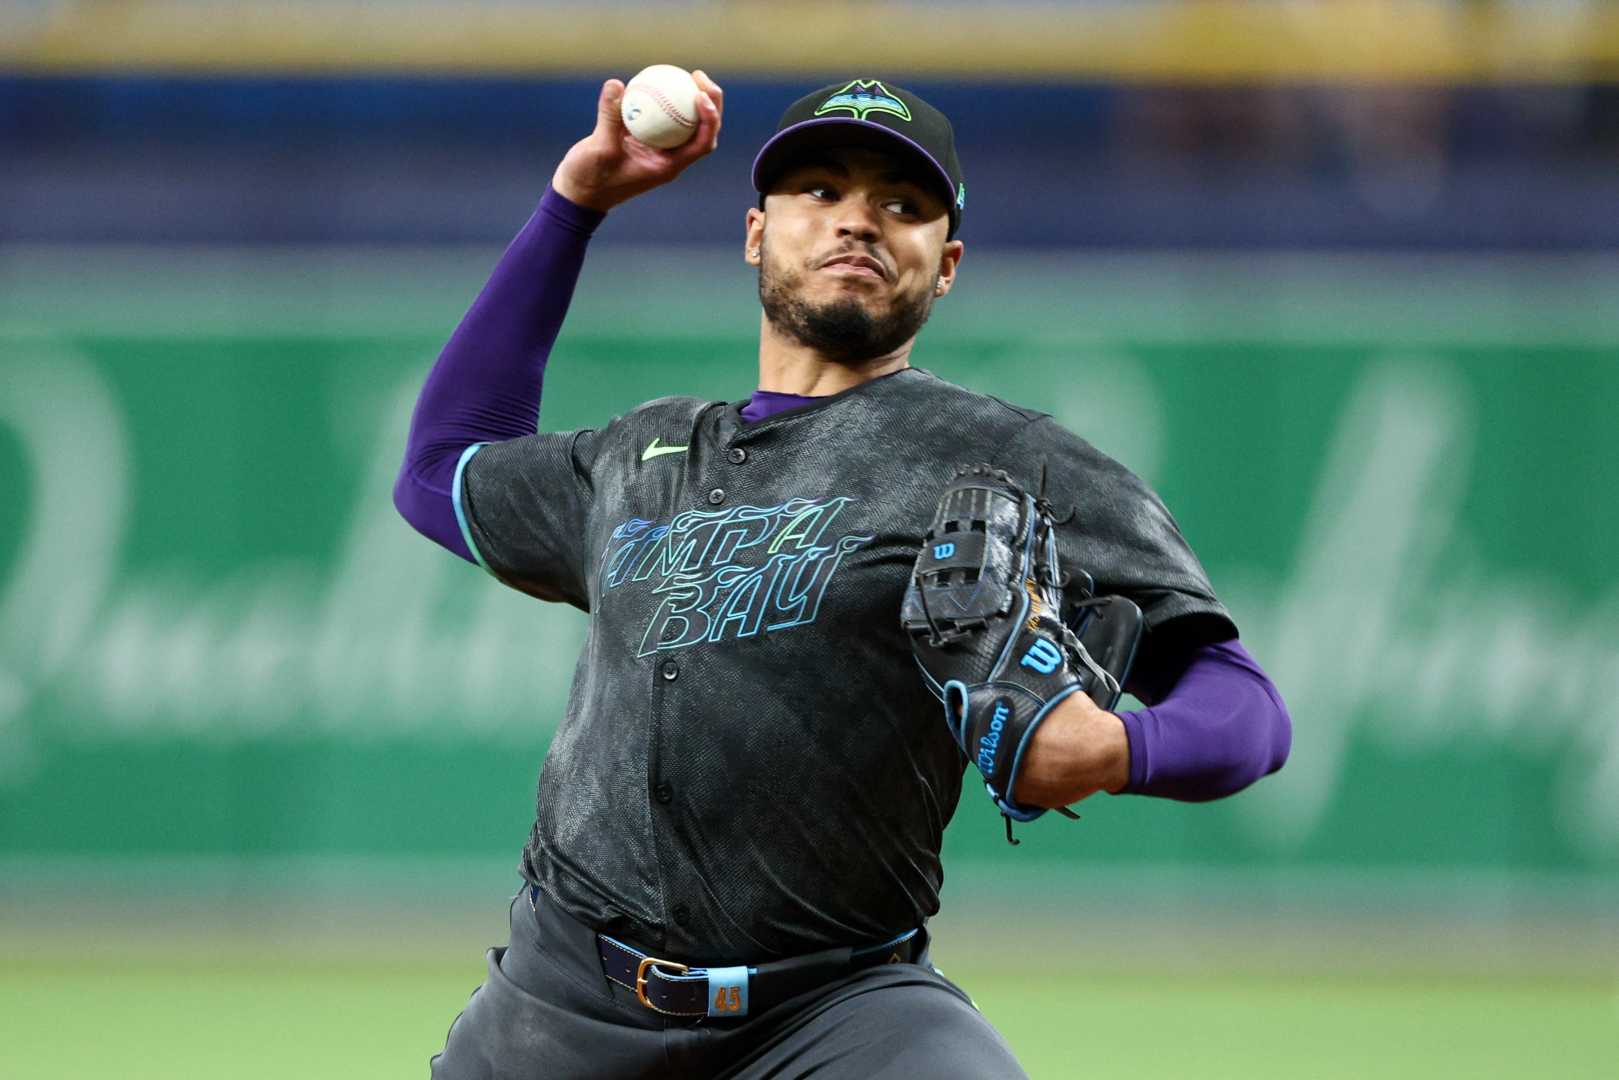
(1042, 656)
(992, 738)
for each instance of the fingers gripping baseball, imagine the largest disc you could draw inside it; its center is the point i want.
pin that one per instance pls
(609, 117)
(611, 166)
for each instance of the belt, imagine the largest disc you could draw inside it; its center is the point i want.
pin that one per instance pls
(676, 989)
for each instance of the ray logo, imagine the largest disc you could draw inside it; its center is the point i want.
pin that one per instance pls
(863, 97)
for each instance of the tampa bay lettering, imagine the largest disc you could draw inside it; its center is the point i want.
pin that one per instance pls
(730, 573)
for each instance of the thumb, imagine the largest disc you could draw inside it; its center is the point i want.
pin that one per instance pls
(608, 116)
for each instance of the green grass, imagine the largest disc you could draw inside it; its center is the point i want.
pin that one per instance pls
(223, 1021)
(1318, 1027)
(240, 1018)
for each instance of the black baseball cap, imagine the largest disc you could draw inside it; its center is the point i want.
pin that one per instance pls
(867, 112)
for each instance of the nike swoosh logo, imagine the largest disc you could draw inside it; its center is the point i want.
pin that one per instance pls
(653, 450)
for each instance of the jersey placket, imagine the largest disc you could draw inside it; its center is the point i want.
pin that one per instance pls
(682, 714)
(665, 786)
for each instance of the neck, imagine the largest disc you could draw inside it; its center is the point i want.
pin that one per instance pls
(787, 366)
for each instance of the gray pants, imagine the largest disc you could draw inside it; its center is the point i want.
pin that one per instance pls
(547, 1010)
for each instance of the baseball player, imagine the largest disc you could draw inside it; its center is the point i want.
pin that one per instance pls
(736, 846)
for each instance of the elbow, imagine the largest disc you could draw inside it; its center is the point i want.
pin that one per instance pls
(430, 512)
(404, 496)
(421, 491)
(1267, 749)
(1274, 729)
(1281, 733)
(413, 503)
(1267, 741)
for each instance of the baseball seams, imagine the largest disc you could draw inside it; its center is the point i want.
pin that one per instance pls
(670, 108)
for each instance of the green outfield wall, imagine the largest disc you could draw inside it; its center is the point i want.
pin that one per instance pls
(217, 639)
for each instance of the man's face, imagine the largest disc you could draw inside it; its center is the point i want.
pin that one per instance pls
(851, 253)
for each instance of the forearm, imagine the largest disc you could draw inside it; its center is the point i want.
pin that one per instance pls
(1219, 726)
(486, 384)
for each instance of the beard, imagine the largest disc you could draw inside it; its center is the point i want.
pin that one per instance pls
(842, 330)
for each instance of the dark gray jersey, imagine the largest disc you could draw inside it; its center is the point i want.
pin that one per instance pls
(750, 765)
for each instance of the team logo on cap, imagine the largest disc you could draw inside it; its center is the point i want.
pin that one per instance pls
(863, 97)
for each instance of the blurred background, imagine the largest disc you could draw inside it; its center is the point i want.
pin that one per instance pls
(1341, 279)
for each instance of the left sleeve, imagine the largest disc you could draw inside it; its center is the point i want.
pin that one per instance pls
(1115, 528)
(1217, 724)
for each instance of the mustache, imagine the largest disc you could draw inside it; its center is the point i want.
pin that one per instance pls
(860, 253)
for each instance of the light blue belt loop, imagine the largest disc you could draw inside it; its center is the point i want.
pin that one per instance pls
(728, 991)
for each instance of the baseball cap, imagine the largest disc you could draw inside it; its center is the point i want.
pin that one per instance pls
(867, 112)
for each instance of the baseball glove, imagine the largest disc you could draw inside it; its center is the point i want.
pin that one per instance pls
(984, 611)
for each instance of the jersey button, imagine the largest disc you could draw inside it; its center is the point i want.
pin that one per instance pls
(663, 792)
(671, 670)
(682, 914)
(737, 455)
(716, 496)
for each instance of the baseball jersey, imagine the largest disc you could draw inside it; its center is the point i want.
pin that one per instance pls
(749, 765)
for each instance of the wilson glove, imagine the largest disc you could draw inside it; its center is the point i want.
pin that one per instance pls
(984, 611)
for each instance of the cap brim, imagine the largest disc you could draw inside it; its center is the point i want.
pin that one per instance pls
(828, 131)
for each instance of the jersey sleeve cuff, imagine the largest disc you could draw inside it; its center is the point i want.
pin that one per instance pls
(1137, 738)
(456, 496)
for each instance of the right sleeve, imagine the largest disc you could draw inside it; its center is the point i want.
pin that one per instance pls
(523, 506)
(485, 386)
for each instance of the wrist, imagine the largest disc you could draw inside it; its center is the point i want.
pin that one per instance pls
(1078, 750)
(1103, 754)
(580, 196)
(1114, 769)
(570, 214)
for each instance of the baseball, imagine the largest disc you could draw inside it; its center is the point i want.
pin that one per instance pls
(660, 106)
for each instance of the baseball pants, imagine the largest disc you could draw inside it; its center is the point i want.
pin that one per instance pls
(547, 1009)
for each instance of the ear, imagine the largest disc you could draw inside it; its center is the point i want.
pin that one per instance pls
(754, 236)
(949, 259)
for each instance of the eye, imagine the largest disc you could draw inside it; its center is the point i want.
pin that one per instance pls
(820, 190)
(901, 206)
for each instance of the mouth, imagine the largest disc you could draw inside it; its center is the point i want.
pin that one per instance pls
(856, 266)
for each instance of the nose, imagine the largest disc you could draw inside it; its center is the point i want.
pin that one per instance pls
(857, 219)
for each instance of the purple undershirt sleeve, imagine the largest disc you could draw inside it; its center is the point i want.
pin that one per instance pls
(767, 403)
(1215, 729)
(485, 386)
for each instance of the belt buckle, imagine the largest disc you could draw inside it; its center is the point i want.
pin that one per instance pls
(641, 977)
